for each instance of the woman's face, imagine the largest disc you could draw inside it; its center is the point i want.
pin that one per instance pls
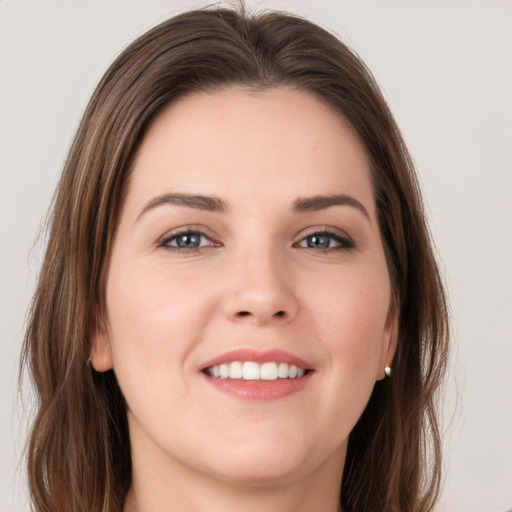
(248, 245)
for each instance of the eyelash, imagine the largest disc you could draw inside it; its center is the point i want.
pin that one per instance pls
(184, 250)
(344, 242)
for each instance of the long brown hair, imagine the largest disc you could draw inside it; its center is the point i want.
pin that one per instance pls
(78, 453)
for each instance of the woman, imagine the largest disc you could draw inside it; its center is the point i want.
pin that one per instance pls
(239, 305)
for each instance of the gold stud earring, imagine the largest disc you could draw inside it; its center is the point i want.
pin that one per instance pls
(387, 370)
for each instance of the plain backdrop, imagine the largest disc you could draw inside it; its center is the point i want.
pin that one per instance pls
(445, 69)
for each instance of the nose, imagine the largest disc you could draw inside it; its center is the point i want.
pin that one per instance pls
(261, 291)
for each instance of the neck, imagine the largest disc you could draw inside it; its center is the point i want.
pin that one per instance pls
(169, 486)
(224, 498)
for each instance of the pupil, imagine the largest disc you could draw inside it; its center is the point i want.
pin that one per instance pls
(319, 241)
(188, 241)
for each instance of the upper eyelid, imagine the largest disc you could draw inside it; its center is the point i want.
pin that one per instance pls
(174, 236)
(330, 230)
(199, 228)
(194, 228)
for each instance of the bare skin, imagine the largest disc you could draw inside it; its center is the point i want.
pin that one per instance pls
(259, 262)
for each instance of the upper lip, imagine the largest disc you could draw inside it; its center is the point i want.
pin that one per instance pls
(257, 356)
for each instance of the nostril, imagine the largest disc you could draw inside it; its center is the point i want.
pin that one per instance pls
(279, 314)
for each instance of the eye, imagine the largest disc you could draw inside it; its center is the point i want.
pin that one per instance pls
(186, 241)
(324, 240)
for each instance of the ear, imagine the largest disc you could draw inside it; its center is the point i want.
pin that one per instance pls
(389, 340)
(101, 352)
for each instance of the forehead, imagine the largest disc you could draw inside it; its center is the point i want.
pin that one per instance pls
(243, 144)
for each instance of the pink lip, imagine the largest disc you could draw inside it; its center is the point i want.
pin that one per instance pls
(263, 390)
(258, 389)
(258, 356)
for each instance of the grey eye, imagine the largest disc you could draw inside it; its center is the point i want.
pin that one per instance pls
(188, 240)
(318, 241)
(323, 240)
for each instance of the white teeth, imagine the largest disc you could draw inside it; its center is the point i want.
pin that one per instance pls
(235, 371)
(249, 370)
(282, 371)
(224, 371)
(269, 371)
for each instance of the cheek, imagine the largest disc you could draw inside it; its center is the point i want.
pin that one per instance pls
(349, 312)
(155, 322)
(154, 319)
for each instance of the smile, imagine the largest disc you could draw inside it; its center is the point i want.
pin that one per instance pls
(255, 374)
(250, 370)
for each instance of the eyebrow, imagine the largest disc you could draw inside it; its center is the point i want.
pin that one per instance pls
(199, 202)
(317, 203)
(215, 204)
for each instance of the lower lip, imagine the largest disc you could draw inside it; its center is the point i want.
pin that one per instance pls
(259, 389)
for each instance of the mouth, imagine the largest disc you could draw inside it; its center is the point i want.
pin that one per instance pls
(251, 370)
(258, 375)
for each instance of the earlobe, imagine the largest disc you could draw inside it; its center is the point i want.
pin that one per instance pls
(101, 352)
(389, 343)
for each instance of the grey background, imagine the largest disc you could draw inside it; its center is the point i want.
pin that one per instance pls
(445, 68)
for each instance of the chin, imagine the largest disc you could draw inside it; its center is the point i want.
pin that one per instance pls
(263, 461)
(260, 472)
